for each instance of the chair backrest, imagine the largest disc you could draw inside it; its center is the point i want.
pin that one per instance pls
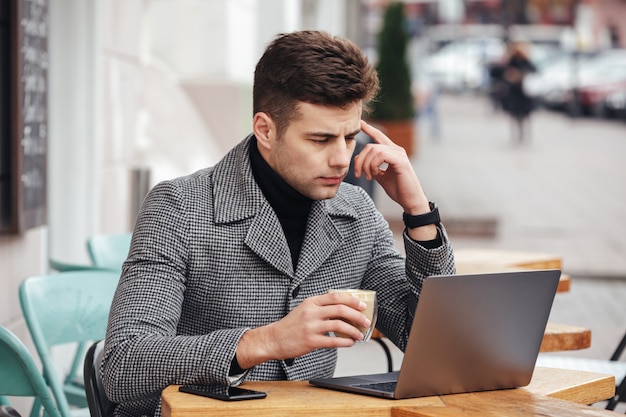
(66, 307)
(99, 403)
(61, 266)
(109, 251)
(19, 375)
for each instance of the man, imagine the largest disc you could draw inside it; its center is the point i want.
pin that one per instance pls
(229, 267)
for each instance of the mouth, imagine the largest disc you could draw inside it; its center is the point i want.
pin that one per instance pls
(332, 180)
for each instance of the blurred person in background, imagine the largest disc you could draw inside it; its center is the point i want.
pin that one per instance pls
(508, 87)
(228, 273)
(426, 95)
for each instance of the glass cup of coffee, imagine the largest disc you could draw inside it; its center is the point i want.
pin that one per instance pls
(371, 311)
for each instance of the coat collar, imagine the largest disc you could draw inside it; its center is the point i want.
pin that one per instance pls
(233, 177)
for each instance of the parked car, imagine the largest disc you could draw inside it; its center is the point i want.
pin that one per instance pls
(615, 104)
(544, 54)
(579, 84)
(461, 65)
(553, 81)
(591, 99)
(604, 75)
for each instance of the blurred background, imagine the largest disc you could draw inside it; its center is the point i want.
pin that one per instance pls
(142, 90)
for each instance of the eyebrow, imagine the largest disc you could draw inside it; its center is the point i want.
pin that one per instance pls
(332, 135)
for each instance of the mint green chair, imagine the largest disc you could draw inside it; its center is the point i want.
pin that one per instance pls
(19, 375)
(73, 376)
(61, 266)
(65, 308)
(109, 251)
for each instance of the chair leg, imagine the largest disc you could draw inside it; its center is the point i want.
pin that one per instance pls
(77, 363)
(620, 348)
(35, 411)
(387, 353)
(620, 392)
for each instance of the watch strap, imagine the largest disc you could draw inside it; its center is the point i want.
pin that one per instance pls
(432, 217)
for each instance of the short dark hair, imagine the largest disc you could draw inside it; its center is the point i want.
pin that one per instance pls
(312, 67)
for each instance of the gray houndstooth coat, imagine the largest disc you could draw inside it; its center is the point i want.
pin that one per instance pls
(209, 260)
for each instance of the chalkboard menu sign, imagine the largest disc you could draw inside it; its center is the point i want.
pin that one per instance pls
(23, 114)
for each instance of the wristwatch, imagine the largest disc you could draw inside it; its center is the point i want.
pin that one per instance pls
(432, 217)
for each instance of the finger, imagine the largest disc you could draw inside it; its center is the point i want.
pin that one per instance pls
(337, 298)
(326, 341)
(345, 313)
(373, 162)
(362, 162)
(359, 158)
(377, 135)
(357, 164)
(342, 329)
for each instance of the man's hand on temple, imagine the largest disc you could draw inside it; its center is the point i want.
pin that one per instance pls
(391, 167)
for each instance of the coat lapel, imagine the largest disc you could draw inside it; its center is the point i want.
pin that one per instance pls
(267, 239)
(322, 237)
(237, 197)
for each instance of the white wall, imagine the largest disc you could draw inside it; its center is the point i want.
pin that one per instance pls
(72, 141)
(328, 15)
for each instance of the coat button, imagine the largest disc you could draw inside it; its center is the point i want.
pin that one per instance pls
(295, 292)
(289, 361)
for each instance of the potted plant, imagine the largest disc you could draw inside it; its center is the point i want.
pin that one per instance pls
(393, 110)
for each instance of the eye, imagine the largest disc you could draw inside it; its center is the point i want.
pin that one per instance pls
(350, 138)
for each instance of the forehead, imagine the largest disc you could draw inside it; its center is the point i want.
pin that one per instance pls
(329, 118)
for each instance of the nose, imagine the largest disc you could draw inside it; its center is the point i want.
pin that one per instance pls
(341, 154)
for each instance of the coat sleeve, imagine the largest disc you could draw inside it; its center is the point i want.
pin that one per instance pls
(143, 353)
(422, 263)
(398, 280)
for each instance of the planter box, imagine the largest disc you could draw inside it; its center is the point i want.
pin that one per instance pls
(401, 132)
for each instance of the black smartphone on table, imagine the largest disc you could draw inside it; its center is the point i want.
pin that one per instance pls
(223, 393)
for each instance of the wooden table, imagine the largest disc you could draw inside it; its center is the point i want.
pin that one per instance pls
(512, 258)
(561, 337)
(549, 388)
(552, 392)
(471, 261)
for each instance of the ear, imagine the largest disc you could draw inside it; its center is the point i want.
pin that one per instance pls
(264, 130)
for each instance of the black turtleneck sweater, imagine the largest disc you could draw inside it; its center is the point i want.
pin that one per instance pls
(291, 207)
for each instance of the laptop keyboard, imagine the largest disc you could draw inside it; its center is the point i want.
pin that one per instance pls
(378, 386)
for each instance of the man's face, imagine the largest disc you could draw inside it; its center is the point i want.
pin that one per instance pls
(313, 155)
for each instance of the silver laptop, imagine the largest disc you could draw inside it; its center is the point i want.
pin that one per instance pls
(470, 333)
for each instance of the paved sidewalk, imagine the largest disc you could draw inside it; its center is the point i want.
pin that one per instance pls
(562, 192)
